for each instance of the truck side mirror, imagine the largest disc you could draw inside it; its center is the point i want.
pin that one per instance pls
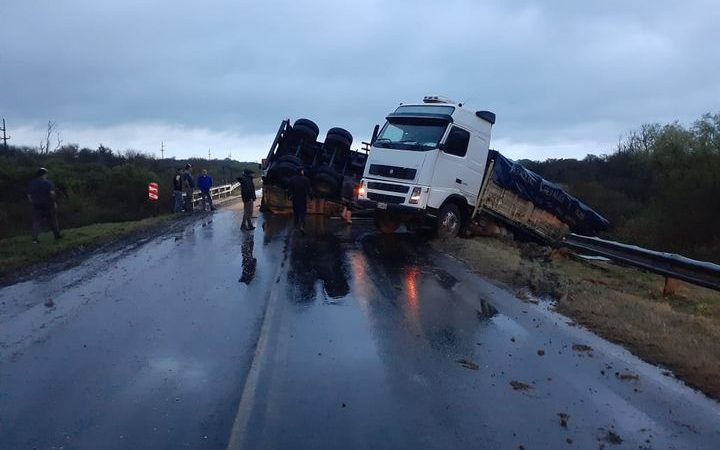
(376, 130)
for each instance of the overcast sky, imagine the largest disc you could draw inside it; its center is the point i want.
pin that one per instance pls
(564, 78)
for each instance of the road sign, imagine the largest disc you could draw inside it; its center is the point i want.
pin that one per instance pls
(153, 191)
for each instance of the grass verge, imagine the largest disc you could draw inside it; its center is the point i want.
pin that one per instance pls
(622, 304)
(19, 251)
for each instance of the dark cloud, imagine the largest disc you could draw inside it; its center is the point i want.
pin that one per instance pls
(555, 72)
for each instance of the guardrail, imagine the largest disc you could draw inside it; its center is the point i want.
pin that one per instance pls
(668, 264)
(216, 193)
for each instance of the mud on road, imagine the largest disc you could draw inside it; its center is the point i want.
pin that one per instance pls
(623, 304)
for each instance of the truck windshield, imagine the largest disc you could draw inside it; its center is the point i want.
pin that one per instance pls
(411, 134)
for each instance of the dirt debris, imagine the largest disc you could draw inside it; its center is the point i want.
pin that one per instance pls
(622, 304)
(582, 348)
(520, 386)
(627, 376)
(468, 364)
(564, 417)
(610, 437)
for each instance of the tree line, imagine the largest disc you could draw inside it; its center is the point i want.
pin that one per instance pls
(660, 189)
(96, 185)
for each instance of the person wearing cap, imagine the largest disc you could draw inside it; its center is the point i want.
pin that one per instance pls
(188, 187)
(247, 191)
(299, 189)
(41, 194)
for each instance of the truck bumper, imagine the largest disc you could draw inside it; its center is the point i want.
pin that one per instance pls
(392, 208)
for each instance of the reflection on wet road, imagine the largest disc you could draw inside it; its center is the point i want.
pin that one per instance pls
(337, 338)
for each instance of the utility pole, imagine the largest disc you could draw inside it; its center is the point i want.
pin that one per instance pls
(162, 150)
(5, 137)
(208, 154)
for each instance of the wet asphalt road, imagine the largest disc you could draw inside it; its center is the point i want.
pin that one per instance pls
(339, 338)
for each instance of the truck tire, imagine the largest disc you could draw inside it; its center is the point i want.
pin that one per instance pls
(306, 130)
(325, 185)
(386, 223)
(292, 159)
(338, 137)
(309, 124)
(304, 133)
(281, 172)
(449, 221)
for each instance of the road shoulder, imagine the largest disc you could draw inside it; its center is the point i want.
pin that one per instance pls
(621, 304)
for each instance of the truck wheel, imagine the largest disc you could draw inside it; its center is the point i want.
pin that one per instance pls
(385, 223)
(449, 221)
(339, 137)
(291, 159)
(303, 132)
(281, 172)
(307, 123)
(325, 185)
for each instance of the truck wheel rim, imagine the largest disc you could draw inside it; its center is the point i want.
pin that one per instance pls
(450, 222)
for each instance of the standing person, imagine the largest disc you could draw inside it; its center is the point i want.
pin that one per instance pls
(205, 182)
(178, 190)
(299, 190)
(247, 191)
(188, 187)
(41, 194)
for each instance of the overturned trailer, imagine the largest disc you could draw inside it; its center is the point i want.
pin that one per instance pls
(330, 165)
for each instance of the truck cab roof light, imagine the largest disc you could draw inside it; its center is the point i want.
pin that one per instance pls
(437, 99)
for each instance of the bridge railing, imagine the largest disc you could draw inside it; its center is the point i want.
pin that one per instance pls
(216, 193)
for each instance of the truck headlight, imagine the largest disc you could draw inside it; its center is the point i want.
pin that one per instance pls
(361, 189)
(415, 196)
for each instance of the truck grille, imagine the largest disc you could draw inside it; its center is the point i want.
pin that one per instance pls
(402, 173)
(388, 187)
(385, 198)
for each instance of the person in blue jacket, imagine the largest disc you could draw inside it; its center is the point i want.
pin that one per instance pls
(205, 182)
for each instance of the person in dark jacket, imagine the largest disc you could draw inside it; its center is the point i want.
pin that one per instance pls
(299, 190)
(188, 187)
(247, 191)
(41, 194)
(205, 182)
(178, 190)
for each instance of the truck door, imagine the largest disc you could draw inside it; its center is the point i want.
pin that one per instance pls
(452, 172)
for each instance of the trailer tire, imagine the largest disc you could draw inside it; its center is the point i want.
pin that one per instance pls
(325, 186)
(292, 159)
(386, 223)
(309, 124)
(282, 172)
(338, 137)
(449, 221)
(304, 133)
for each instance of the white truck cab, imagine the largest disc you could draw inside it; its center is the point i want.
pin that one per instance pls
(427, 164)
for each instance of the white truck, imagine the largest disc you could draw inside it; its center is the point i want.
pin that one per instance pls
(431, 166)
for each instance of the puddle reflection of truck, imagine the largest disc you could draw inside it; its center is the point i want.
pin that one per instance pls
(430, 166)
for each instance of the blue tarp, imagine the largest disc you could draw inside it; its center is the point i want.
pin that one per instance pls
(546, 195)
